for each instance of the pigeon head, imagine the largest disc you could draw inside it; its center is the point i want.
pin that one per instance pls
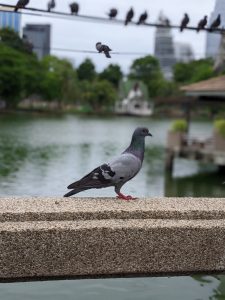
(141, 132)
(98, 44)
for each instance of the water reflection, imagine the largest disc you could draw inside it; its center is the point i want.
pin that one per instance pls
(199, 185)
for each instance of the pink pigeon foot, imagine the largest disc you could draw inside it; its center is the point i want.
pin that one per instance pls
(123, 197)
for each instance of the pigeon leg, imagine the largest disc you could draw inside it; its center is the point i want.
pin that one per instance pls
(123, 197)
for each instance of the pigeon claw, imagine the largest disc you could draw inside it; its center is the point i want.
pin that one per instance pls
(126, 198)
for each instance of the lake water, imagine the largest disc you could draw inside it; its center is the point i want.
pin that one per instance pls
(41, 155)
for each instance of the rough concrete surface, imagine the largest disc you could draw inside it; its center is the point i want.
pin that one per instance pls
(52, 238)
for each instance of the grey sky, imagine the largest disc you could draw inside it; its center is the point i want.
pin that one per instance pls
(82, 35)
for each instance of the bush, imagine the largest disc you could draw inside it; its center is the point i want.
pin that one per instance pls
(220, 127)
(179, 126)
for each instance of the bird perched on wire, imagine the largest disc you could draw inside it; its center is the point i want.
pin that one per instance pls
(143, 17)
(103, 48)
(216, 23)
(74, 8)
(51, 5)
(202, 23)
(21, 4)
(129, 16)
(113, 13)
(184, 22)
(117, 172)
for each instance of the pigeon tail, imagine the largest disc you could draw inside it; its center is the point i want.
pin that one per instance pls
(75, 191)
(16, 8)
(107, 54)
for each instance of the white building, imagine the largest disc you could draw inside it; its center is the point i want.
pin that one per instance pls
(213, 39)
(133, 99)
(183, 52)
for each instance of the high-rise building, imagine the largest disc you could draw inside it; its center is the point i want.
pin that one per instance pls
(213, 39)
(164, 47)
(10, 19)
(183, 52)
(39, 36)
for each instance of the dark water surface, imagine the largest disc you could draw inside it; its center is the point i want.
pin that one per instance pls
(41, 155)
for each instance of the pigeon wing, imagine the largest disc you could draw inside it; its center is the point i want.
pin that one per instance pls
(118, 171)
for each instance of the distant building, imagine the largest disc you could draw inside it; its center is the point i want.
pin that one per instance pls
(39, 36)
(183, 52)
(164, 48)
(133, 99)
(10, 19)
(213, 39)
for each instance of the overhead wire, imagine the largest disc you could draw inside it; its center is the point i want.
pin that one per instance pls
(88, 18)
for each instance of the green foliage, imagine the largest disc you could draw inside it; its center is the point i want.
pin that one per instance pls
(10, 38)
(220, 127)
(147, 69)
(112, 74)
(179, 126)
(59, 81)
(99, 95)
(19, 75)
(86, 70)
(194, 71)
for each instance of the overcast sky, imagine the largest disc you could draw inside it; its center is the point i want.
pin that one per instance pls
(84, 35)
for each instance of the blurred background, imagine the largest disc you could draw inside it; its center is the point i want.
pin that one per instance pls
(65, 108)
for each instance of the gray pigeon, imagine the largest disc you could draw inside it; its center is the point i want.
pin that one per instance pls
(74, 8)
(129, 16)
(51, 5)
(113, 13)
(202, 23)
(103, 48)
(184, 22)
(117, 172)
(216, 23)
(21, 4)
(143, 17)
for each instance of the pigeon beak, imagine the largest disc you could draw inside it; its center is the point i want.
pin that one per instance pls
(149, 134)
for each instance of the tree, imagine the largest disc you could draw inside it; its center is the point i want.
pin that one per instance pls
(19, 75)
(147, 69)
(59, 80)
(99, 95)
(112, 74)
(10, 38)
(86, 70)
(194, 71)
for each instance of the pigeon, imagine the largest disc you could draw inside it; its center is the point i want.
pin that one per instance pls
(129, 16)
(103, 48)
(216, 23)
(74, 8)
(117, 172)
(113, 13)
(202, 23)
(51, 5)
(184, 22)
(21, 4)
(143, 17)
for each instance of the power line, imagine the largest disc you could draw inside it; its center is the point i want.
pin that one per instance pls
(88, 18)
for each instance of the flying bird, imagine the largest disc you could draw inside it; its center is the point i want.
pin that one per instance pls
(51, 5)
(74, 8)
(117, 172)
(103, 48)
(143, 17)
(216, 23)
(184, 22)
(113, 13)
(129, 16)
(202, 23)
(21, 4)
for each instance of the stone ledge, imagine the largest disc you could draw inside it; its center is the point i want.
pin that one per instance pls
(77, 238)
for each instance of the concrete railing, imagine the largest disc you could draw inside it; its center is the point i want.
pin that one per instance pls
(52, 238)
